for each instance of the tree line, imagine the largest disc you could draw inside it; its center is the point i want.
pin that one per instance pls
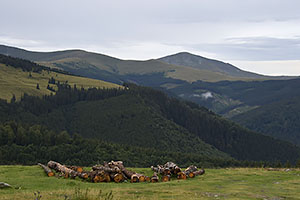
(27, 65)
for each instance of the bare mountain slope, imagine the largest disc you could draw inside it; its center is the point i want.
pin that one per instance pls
(182, 66)
(202, 63)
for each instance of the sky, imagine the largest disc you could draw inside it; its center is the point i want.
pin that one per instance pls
(261, 36)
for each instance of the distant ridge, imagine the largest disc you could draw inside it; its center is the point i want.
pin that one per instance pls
(182, 66)
(199, 62)
(44, 56)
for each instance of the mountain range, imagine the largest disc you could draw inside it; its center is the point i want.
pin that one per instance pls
(239, 95)
(182, 66)
(121, 122)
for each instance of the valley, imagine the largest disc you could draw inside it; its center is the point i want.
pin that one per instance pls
(232, 93)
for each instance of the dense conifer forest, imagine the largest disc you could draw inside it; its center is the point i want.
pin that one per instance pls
(136, 124)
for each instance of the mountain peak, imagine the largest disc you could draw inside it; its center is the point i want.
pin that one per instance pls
(182, 54)
(198, 62)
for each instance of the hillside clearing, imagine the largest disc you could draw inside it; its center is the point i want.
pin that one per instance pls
(17, 82)
(240, 183)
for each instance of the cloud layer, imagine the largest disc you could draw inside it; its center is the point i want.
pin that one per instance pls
(254, 48)
(250, 30)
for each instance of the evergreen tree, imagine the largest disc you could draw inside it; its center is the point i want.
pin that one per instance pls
(13, 99)
(288, 164)
(50, 88)
(298, 164)
(51, 80)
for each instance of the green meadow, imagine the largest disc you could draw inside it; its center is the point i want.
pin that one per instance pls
(17, 82)
(231, 183)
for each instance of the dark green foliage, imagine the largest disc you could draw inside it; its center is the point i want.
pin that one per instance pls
(51, 80)
(25, 65)
(279, 119)
(298, 164)
(254, 92)
(288, 164)
(223, 134)
(230, 97)
(275, 104)
(50, 88)
(140, 117)
(13, 99)
(23, 144)
(251, 93)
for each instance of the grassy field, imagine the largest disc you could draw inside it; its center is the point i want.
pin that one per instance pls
(15, 81)
(247, 183)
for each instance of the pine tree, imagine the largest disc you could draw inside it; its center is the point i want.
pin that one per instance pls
(51, 80)
(298, 164)
(288, 164)
(13, 99)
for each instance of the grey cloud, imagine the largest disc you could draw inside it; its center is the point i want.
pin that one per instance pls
(255, 48)
(120, 24)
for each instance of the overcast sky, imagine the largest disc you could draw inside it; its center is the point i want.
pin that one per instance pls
(257, 35)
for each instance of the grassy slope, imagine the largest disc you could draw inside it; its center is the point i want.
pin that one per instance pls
(15, 81)
(82, 59)
(202, 63)
(123, 67)
(198, 62)
(215, 184)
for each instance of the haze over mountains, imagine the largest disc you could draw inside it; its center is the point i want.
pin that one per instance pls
(219, 86)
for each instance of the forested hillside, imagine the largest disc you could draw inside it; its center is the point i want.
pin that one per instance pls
(41, 128)
(145, 118)
(279, 119)
(130, 116)
(269, 107)
(219, 86)
(227, 96)
(29, 144)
